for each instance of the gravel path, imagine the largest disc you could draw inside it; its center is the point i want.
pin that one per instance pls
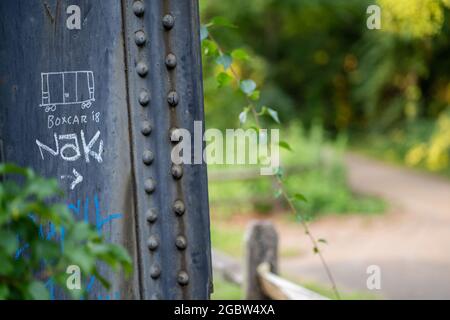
(410, 243)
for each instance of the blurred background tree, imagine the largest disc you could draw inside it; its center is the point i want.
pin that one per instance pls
(318, 60)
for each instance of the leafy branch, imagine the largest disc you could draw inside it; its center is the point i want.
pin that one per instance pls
(249, 89)
(28, 258)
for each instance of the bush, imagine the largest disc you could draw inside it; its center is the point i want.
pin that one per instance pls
(28, 259)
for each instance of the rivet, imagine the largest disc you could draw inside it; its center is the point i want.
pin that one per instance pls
(173, 98)
(171, 61)
(168, 21)
(178, 207)
(144, 98)
(152, 243)
(177, 171)
(142, 69)
(181, 243)
(146, 128)
(155, 271)
(148, 157)
(183, 278)
(149, 185)
(138, 8)
(175, 135)
(140, 38)
(151, 215)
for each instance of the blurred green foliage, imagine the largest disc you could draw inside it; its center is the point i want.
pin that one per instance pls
(28, 258)
(315, 167)
(318, 60)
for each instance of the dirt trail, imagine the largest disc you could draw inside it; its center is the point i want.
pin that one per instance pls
(410, 243)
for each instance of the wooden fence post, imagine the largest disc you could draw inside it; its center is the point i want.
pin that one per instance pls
(261, 246)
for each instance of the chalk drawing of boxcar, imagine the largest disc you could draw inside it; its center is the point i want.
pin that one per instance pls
(67, 88)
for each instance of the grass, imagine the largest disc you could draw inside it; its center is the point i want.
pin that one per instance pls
(327, 292)
(315, 169)
(224, 290)
(227, 239)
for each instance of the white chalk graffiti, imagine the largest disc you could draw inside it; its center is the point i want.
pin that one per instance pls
(67, 88)
(77, 178)
(71, 151)
(70, 89)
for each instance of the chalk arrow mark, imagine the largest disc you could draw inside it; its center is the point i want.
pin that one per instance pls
(77, 178)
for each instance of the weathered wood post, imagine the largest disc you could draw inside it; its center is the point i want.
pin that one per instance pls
(261, 246)
(89, 93)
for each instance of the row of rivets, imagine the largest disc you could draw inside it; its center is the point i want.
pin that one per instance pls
(146, 128)
(142, 69)
(173, 100)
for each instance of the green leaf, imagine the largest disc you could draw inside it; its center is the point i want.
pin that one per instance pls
(223, 79)
(209, 48)
(300, 197)
(255, 95)
(8, 242)
(285, 145)
(9, 168)
(7, 264)
(102, 280)
(322, 241)
(279, 172)
(248, 86)
(225, 61)
(270, 112)
(243, 116)
(273, 114)
(81, 257)
(42, 188)
(222, 22)
(4, 291)
(204, 32)
(240, 54)
(38, 291)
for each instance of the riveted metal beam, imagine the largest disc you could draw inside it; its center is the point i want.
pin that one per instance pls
(130, 87)
(173, 237)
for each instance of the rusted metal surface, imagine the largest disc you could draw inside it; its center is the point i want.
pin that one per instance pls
(114, 161)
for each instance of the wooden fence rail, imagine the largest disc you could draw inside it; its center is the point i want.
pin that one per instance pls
(260, 278)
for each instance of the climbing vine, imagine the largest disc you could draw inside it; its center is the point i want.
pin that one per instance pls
(227, 75)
